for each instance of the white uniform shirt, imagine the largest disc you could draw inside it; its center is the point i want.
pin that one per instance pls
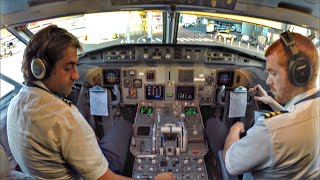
(285, 146)
(50, 139)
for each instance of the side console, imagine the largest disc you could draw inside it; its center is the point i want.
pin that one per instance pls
(168, 137)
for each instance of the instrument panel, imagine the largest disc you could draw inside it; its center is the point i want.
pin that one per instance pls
(171, 73)
(163, 83)
(168, 84)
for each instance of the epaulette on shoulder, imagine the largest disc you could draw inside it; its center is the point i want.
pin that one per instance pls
(272, 114)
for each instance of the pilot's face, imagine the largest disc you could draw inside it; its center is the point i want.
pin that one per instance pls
(64, 73)
(278, 80)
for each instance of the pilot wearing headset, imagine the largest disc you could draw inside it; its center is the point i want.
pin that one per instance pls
(283, 144)
(48, 136)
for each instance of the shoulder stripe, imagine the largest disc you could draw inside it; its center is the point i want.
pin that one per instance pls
(272, 114)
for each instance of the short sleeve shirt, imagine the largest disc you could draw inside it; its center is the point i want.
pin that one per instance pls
(285, 146)
(50, 139)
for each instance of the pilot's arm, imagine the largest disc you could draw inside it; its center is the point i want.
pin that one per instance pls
(251, 152)
(263, 96)
(233, 136)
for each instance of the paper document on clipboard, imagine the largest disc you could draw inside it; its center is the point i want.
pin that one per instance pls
(238, 102)
(98, 101)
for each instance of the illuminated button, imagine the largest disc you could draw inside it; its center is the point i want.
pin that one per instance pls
(153, 161)
(151, 169)
(132, 73)
(195, 132)
(169, 94)
(139, 161)
(177, 151)
(188, 169)
(139, 168)
(195, 151)
(199, 169)
(185, 161)
(200, 161)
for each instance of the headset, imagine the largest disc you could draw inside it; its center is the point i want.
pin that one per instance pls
(40, 65)
(299, 68)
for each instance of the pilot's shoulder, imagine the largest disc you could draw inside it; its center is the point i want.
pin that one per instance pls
(273, 114)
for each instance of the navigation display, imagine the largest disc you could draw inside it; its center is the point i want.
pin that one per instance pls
(185, 93)
(154, 92)
(190, 111)
(225, 78)
(111, 76)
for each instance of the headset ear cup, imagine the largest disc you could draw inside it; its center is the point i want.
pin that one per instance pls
(38, 68)
(299, 71)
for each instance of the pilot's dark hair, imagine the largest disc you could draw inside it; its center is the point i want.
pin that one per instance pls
(304, 46)
(47, 44)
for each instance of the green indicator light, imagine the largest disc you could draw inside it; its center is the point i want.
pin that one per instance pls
(190, 111)
(146, 110)
(169, 94)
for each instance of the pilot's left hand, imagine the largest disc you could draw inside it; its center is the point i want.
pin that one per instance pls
(165, 176)
(237, 128)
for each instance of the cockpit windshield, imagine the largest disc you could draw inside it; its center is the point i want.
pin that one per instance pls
(99, 30)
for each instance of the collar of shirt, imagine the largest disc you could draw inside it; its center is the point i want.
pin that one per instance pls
(41, 84)
(290, 105)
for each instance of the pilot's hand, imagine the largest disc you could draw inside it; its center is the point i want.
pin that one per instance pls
(165, 176)
(261, 94)
(237, 128)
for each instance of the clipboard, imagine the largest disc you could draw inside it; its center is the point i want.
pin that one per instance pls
(98, 101)
(238, 102)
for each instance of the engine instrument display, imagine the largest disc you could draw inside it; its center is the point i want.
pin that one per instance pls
(185, 93)
(225, 78)
(154, 92)
(146, 110)
(111, 76)
(190, 111)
